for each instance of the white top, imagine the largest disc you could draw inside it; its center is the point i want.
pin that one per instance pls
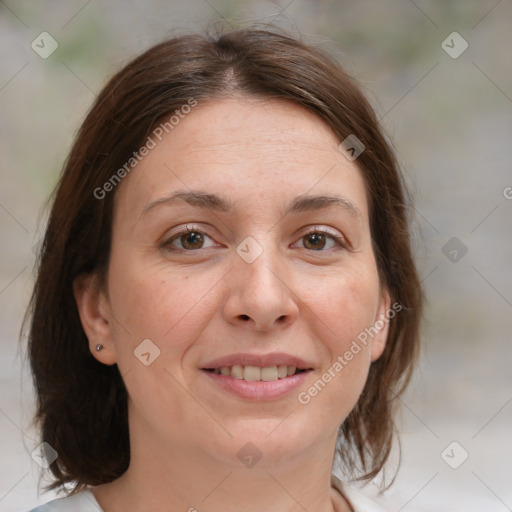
(85, 501)
(357, 500)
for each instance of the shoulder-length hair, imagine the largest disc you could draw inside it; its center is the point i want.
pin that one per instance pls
(81, 403)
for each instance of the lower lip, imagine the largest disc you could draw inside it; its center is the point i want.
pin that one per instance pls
(258, 390)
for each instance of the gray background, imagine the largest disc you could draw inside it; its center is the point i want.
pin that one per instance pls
(451, 121)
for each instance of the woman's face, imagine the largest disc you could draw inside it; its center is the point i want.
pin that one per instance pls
(241, 249)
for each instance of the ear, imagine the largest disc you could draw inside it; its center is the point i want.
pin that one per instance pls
(381, 325)
(93, 308)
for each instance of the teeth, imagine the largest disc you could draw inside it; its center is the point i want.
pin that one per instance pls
(236, 371)
(252, 373)
(282, 371)
(269, 373)
(255, 373)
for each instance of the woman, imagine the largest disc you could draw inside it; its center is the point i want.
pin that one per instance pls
(226, 302)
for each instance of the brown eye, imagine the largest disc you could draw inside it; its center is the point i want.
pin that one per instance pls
(322, 240)
(192, 240)
(189, 239)
(315, 241)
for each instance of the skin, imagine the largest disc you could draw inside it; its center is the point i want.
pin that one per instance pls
(297, 297)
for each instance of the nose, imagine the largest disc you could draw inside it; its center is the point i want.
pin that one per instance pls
(260, 296)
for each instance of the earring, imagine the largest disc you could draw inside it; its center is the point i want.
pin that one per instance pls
(99, 346)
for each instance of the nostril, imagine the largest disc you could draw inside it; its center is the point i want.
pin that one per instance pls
(244, 317)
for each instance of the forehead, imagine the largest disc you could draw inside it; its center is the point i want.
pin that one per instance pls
(247, 120)
(247, 148)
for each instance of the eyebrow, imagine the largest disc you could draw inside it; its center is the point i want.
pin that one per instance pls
(308, 203)
(194, 198)
(216, 203)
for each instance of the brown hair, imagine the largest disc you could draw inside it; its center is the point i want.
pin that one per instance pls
(81, 403)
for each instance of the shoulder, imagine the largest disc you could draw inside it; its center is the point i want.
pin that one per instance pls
(83, 501)
(358, 501)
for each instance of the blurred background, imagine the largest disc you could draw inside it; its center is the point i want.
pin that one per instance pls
(439, 73)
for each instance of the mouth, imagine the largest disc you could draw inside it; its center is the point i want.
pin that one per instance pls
(256, 373)
(258, 376)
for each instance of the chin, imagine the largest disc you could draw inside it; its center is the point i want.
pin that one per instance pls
(266, 443)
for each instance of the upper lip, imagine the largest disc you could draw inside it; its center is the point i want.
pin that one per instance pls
(261, 360)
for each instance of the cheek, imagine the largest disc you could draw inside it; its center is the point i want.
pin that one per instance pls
(346, 307)
(170, 308)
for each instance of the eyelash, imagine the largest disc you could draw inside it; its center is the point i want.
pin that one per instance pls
(339, 239)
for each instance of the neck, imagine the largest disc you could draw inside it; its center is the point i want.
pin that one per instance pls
(180, 478)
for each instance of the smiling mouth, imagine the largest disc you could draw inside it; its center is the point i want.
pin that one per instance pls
(256, 373)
